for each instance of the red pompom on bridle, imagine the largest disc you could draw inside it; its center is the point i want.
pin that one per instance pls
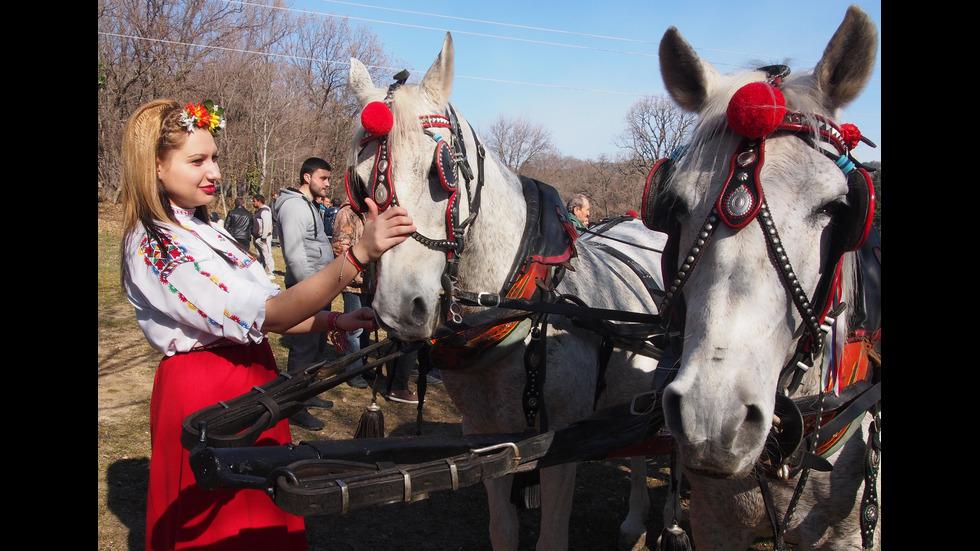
(851, 135)
(756, 110)
(377, 119)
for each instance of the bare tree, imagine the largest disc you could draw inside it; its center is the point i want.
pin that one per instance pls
(152, 49)
(281, 78)
(517, 142)
(319, 52)
(654, 128)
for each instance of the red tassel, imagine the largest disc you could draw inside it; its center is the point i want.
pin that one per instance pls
(377, 119)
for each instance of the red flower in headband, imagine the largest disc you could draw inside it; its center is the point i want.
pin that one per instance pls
(204, 115)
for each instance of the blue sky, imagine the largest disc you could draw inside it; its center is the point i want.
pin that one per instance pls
(580, 82)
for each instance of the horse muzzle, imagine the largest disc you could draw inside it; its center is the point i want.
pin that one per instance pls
(720, 437)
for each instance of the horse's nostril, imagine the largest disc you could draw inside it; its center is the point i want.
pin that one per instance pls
(420, 312)
(754, 415)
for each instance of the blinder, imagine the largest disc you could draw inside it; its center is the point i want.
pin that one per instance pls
(854, 224)
(444, 169)
(444, 166)
(355, 190)
(655, 210)
(380, 185)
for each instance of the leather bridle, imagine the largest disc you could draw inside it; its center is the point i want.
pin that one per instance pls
(449, 162)
(741, 201)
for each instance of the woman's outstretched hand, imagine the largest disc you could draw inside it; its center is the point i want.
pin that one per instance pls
(362, 318)
(382, 231)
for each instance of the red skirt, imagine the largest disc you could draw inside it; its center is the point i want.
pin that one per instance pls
(179, 514)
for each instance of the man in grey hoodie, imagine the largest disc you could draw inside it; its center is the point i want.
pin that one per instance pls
(306, 248)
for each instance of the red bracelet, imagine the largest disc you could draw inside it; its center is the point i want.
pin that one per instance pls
(353, 260)
(336, 337)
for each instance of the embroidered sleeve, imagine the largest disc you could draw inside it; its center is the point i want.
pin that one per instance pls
(196, 288)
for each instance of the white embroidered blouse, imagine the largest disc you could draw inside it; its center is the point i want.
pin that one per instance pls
(196, 287)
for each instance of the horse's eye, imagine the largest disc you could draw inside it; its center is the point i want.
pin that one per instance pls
(833, 208)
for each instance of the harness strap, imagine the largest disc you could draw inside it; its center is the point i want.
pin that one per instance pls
(535, 371)
(656, 293)
(240, 421)
(334, 476)
(493, 300)
(605, 351)
(777, 529)
(869, 501)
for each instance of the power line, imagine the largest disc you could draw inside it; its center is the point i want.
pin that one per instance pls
(288, 56)
(485, 79)
(532, 28)
(423, 27)
(526, 27)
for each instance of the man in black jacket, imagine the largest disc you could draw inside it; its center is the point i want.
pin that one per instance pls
(239, 223)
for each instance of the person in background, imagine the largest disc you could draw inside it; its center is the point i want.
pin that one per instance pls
(275, 222)
(347, 229)
(262, 232)
(238, 222)
(330, 215)
(578, 207)
(204, 303)
(306, 250)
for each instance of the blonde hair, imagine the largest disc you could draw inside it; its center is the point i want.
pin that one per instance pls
(151, 134)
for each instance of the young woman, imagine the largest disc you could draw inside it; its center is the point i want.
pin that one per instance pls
(207, 305)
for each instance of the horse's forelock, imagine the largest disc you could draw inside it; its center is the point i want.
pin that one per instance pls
(706, 149)
(407, 106)
(712, 120)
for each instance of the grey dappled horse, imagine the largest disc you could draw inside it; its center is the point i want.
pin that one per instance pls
(745, 296)
(413, 285)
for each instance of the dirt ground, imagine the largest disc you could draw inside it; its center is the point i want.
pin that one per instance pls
(443, 522)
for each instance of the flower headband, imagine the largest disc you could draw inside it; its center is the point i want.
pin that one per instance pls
(205, 115)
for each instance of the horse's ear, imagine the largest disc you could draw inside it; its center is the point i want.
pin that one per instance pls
(359, 81)
(848, 60)
(437, 83)
(688, 78)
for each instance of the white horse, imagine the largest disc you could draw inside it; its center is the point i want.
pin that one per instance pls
(754, 171)
(413, 284)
